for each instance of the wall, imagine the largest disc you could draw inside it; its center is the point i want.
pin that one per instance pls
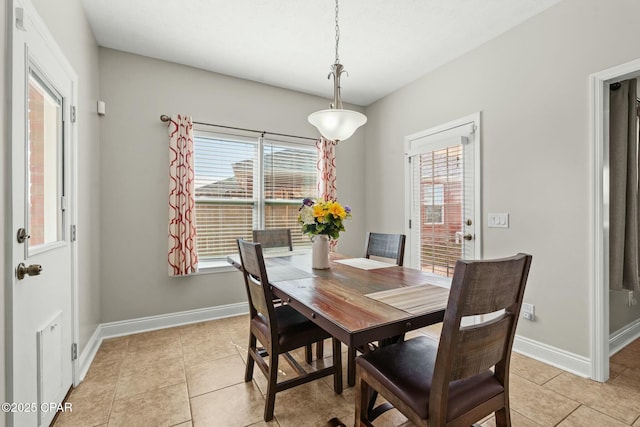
(531, 85)
(4, 264)
(67, 22)
(134, 183)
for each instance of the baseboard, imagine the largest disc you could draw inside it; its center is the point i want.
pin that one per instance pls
(559, 358)
(623, 337)
(88, 354)
(152, 323)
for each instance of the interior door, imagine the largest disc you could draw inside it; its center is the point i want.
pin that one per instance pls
(41, 316)
(444, 218)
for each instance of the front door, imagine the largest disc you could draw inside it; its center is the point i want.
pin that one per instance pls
(43, 87)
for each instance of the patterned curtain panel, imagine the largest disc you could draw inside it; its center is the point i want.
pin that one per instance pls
(183, 257)
(326, 169)
(327, 173)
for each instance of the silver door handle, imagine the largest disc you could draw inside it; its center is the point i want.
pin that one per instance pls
(32, 270)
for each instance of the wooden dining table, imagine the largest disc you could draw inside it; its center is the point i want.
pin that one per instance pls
(357, 300)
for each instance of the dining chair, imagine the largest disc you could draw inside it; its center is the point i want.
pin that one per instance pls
(281, 238)
(386, 246)
(279, 329)
(452, 383)
(273, 238)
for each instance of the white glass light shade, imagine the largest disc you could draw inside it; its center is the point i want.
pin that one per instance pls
(337, 124)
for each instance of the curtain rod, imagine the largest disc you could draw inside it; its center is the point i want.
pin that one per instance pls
(166, 119)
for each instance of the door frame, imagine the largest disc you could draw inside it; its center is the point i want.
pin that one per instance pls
(72, 202)
(475, 120)
(599, 235)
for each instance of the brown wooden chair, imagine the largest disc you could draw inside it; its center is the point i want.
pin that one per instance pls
(451, 383)
(280, 238)
(279, 329)
(386, 246)
(273, 238)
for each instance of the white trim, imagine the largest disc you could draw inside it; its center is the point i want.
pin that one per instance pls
(553, 356)
(88, 354)
(152, 323)
(624, 337)
(598, 236)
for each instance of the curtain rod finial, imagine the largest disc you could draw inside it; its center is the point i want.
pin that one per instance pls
(165, 118)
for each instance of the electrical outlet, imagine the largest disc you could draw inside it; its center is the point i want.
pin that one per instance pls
(632, 299)
(528, 311)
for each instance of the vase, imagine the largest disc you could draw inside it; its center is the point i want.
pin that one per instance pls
(320, 252)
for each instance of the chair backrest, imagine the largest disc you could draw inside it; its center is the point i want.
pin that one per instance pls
(479, 287)
(273, 238)
(386, 246)
(256, 282)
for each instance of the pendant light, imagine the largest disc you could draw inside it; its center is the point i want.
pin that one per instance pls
(336, 123)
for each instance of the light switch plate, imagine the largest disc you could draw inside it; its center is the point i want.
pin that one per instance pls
(498, 220)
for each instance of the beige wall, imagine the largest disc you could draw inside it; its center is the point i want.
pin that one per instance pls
(531, 85)
(134, 184)
(4, 264)
(67, 22)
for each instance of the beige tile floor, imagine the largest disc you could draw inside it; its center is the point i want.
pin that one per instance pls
(194, 376)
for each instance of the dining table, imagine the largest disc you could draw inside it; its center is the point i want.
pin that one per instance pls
(357, 300)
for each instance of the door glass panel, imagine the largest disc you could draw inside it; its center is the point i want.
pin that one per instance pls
(44, 164)
(438, 179)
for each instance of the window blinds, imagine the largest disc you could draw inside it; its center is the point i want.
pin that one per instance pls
(244, 184)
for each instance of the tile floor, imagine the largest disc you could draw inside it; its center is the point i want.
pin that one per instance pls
(193, 376)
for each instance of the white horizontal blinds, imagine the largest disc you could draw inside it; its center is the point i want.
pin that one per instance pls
(289, 176)
(225, 200)
(438, 203)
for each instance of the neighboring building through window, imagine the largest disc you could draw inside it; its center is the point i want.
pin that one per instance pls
(244, 184)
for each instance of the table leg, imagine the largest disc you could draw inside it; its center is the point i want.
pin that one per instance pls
(351, 366)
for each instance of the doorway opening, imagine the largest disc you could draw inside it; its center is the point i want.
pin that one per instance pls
(603, 342)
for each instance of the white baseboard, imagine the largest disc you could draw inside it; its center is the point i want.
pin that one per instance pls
(559, 358)
(88, 353)
(623, 337)
(152, 323)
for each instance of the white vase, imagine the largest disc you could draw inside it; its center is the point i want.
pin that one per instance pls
(320, 252)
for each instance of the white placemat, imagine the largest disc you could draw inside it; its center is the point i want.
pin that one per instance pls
(364, 263)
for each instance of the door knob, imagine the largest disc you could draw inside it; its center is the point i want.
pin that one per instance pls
(32, 270)
(468, 237)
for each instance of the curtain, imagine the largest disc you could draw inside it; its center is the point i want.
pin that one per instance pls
(327, 173)
(624, 262)
(183, 257)
(326, 169)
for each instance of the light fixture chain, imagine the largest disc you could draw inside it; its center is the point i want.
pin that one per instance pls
(337, 35)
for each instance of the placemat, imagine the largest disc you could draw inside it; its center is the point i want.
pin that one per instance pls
(364, 263)
(414, 299)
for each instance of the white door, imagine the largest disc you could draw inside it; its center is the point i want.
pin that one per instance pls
(43, 86)
(442, 177)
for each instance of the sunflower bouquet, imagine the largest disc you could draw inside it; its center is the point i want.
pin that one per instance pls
(323, 217)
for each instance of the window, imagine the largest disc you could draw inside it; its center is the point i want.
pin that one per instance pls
(243, 184)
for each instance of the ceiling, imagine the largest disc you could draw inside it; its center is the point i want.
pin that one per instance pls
(384, 44)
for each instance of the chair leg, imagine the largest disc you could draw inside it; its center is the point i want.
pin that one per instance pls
(503, 417)
(270, 398)
(351, 366)
(308, 357)
(362, 403)
(337, 366)
(248, 373)
(320, 349)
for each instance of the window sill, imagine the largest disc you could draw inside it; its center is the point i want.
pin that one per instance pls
(214, 266)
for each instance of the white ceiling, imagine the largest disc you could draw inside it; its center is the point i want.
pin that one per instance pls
(384, 44)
